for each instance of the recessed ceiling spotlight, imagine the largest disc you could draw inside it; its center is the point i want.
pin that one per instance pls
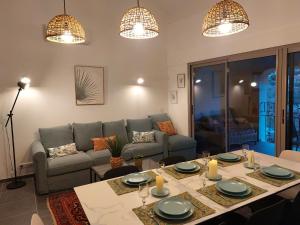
(241, 81)
(253, 84)
(140, 80)
(198, 81)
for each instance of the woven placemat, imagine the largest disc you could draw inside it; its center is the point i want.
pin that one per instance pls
(120, 188)
(171, 171)
(212, 193)
(225, 164)
(201, 211)
(273, 181)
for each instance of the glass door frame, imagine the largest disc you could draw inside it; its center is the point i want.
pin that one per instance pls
(281, 65)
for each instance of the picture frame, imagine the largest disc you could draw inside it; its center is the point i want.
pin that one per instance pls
(181, 80)
(89, 85)
(173, 97)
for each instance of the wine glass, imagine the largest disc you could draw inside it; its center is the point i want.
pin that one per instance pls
(143, 193)
(161, 167)
(205, 157)
(203, 179)
(245, 149)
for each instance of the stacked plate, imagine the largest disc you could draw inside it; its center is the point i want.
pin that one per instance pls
(187, 167)
(277, 172)
(134, 179)
(174, 208)
(229, 157)
(233, 188)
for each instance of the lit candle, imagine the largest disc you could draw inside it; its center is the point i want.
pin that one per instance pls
(159, 183)
(251, 158)
(212, 168)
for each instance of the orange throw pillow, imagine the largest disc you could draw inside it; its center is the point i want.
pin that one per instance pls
(100, 143)
(167, 127)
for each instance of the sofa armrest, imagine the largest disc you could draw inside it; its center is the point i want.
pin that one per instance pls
(39, 157)
(162, 138)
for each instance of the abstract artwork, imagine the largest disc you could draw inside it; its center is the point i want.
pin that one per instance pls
(173, 97)
(181, 80)
(89, 85)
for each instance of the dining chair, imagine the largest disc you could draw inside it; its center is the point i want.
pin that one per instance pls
(293, 214)
(172, 160)
(271, 215)
(120, 171)
(290, 193)
(36, 220)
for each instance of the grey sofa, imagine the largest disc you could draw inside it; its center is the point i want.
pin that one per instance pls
(74, 170)
(177, 144)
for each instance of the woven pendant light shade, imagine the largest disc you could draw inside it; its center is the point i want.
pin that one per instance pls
(65, 29)
(225, 18)
(138, 23)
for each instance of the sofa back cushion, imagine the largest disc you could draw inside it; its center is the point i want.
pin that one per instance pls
(140, 125)
(116, 128)
(159, 118)
(56, 136)
(84, 132)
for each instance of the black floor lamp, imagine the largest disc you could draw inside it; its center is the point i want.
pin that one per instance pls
(16, 183)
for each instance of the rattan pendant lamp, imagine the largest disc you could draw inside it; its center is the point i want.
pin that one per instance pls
(225, 18)
(138, 23)
(65, 29)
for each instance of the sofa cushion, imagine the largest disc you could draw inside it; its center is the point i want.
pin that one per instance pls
(144, 149)
(140, 125)
(116, 128)
(158, 118)
(56, 136)
(84, 132)
(99, 157)
(68, 164)
(179, 142)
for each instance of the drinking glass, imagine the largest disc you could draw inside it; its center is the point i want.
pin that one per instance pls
(161, 167)
(205, 157)
(203, 179)
(143, 193)
(256, 164)
(245, 149)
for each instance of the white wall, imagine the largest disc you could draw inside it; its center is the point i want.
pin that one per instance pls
(273, 23)
(51, 100)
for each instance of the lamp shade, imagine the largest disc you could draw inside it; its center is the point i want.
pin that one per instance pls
(138, 23)
(65, 29)
(225, 18)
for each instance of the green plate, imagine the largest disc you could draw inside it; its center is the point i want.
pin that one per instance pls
(231, 186)
(239, 195)
(134, 179)
(174, 206)
(276, 177)
(186, 166)
(167, 217)
(187, 171)
(277, 171)
(165, 192)
(228, 157)
(217, 178)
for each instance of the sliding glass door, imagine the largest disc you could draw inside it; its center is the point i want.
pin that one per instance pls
(252, 104)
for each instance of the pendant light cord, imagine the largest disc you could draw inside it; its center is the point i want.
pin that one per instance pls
(65, 11)
(138, 3)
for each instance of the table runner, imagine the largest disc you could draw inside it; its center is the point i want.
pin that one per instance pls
(212, 193)
(276, 182)
(225, 164)
(120, 188)
(201, 210)
(171, 171)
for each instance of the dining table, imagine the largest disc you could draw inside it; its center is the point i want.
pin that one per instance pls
(105, 206)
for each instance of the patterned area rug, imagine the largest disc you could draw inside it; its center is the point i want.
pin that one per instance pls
(66, 209)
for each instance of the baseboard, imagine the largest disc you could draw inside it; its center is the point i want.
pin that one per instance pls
(21, 177)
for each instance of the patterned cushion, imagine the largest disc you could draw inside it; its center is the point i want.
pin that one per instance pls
(63, 150)
(167, 127)
(143, 137)
(100, 143)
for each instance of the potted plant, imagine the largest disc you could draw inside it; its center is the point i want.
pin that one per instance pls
(115, 147)
(138, 161)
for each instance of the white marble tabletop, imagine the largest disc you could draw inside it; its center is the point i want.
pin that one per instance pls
(103, 207)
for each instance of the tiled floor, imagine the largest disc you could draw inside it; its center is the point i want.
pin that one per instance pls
(17, 206)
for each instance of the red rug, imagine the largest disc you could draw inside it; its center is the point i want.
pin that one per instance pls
(66, 209)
